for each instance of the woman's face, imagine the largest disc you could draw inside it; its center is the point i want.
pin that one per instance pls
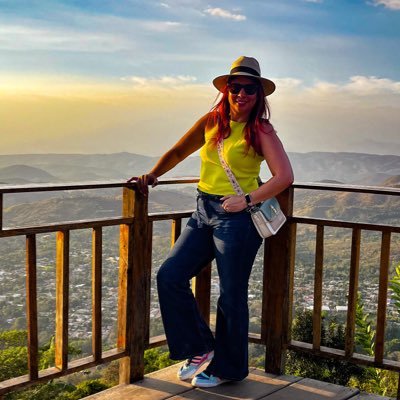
(242, 102)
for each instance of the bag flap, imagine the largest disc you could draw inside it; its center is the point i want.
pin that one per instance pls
(270, 208)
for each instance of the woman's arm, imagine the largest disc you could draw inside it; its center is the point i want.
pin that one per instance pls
(278, 163)
(188, 144)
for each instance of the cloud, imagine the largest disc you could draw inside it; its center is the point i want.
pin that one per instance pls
(221, 13)
(344, 116)
(390, 4)
(19, 37)
(366, 85)
(359, 86)
(147, 115)
(165, 81)
(313, 1)
(161, 26)
(288, 83)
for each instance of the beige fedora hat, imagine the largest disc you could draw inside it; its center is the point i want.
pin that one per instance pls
(245, 66)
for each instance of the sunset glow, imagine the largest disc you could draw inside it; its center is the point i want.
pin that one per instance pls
(85, 77)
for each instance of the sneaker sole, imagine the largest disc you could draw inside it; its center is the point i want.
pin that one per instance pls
(208, 385)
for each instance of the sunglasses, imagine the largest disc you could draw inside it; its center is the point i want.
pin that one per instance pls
(249, 89)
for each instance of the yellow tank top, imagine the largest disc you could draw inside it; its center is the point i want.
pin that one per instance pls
(245, 167)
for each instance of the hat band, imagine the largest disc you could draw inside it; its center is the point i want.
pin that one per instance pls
(245, 69)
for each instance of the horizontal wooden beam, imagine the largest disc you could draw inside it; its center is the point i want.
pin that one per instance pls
(346, 188)
(161, 340)
(165, 216)
(345, 224)
(51, 187)
(65, 226)
(337, 354)
(54, 187)
(48, 374)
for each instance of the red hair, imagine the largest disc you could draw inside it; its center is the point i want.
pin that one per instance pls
(220, 115)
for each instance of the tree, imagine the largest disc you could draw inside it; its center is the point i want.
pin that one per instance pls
(14, 338)
(373, 380)
(395, 288)
(312, 366)
(364, 334)
(47, 353)
(155, 359)
(84, 389)
(48, 391)
(13, 362)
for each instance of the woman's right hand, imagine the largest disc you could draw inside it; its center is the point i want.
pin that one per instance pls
(144, 181)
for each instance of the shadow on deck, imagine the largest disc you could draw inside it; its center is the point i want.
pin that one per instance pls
(164, 384)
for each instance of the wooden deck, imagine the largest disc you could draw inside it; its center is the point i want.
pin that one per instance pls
(164, 384)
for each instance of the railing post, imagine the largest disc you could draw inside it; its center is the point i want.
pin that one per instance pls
(62, 299)
(318, 281)
(382, 297)
(134, 285)
(97, 244)
(353, 291)
(278, 272)
(1, 211)
(31, 307)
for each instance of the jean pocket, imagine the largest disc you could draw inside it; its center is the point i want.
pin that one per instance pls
(217, 207)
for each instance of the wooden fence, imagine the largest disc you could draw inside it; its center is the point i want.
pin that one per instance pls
(135, 249)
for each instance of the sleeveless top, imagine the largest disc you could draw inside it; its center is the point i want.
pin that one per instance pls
(245, 167)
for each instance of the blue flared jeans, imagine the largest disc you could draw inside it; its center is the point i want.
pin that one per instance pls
(232, 240)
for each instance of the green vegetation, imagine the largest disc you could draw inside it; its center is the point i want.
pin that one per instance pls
(395, 288)
(311, 366)
(13, 351)
(367, 379)
(14, 362)
(155, 359)
(374, 380)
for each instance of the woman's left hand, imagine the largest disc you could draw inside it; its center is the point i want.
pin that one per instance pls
(233, 203)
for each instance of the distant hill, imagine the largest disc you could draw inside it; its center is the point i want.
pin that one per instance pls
(85, 205)
(22, 174)
(350, 168)
(393, 181)
(373, 208)
(72, 206)
(83, 167)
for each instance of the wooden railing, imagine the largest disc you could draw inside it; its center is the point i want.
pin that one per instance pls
(386, 231)
(135, 249)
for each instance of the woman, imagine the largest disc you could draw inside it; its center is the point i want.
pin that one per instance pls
(220, 228)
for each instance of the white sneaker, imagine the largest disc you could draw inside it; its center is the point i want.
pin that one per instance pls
(191, 365)
(206, 381)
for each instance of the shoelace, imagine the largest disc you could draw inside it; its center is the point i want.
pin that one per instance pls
(195, 360)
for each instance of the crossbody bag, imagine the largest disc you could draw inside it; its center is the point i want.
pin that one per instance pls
(267, 217)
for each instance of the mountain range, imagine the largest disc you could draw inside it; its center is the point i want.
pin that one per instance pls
(350, 168)
(36, 208)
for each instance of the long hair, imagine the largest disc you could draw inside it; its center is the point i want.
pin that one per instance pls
(220, 116)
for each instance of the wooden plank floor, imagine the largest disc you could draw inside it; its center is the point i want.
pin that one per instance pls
(164, 384)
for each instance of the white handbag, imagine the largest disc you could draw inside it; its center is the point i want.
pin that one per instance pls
(268, 217)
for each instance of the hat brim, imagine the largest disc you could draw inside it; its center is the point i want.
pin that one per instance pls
(268, 86)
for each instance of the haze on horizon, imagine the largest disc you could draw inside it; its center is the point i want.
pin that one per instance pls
(90, 77)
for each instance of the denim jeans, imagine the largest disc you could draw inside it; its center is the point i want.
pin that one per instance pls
(232, 240)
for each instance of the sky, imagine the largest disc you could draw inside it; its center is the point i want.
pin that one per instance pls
(105, 76)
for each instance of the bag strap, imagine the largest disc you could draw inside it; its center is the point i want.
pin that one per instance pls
(228, 171)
